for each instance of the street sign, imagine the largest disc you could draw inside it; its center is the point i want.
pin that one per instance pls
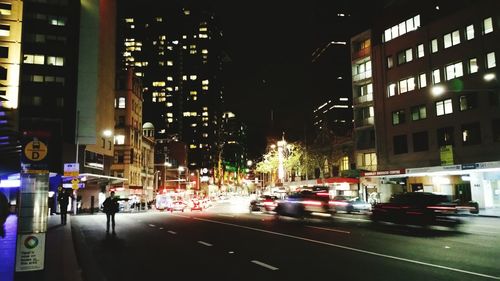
(30, 252)
(74, 183)
(71, 169)
(35, 150)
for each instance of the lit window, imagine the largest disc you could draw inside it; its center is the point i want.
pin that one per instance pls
(34, 59)
(418, 112)
(204, 82)
(473, 68)
(471, 134)
(5, 9)
(121, 102)
(4, 30)
(344, 163)
(119, 139)
(487, 26)
(436, 76)
(405, 56)
(422, 80)
(451, 39)
(398, 117)
(444, 107)
(454, 71)
(420, 51)
(184, 77)
(391, 90)
(469, 32)
(169, 78)
(170, 120)
(390, 62)
(406, 85)
(169, 104)
(193, 77)
(434, 45)
(490, 60)
(170, 63)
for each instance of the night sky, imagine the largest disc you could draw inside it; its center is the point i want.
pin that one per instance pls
(270, 45)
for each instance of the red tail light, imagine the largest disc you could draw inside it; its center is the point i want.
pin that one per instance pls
(312, 202)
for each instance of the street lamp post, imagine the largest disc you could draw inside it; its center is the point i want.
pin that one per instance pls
(180, 169)
(165, 165)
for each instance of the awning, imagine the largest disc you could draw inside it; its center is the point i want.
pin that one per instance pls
(96, 178)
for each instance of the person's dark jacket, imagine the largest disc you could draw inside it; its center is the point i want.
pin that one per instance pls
(110, 205)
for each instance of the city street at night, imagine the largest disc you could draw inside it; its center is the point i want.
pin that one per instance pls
(222, 245)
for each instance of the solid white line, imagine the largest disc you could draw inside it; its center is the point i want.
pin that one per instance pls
(354, 249)
(172, 232)
(265, 265)
(330, 229)
(205, 243)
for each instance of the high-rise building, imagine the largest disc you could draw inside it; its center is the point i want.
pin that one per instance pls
(11, 18)
(426, 95)
(177, 53)
(66, 85)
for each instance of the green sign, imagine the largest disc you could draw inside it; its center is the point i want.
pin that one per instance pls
(446, 155)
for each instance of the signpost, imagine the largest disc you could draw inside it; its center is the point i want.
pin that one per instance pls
(73, 170)
(32, 206)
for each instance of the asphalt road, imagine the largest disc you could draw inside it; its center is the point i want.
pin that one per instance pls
(227, 243)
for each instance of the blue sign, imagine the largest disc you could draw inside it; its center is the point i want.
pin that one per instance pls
(469, 166)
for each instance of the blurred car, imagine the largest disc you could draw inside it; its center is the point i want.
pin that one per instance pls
(196, 204)
(177, 206)
(350, 204)
(417, 208)
(305, 204)
(264, 203)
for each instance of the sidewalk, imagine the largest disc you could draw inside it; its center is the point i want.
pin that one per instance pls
(60, 257)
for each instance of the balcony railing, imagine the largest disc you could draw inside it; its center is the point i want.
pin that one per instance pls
(362, 76)
(363, 99)
(361, 53)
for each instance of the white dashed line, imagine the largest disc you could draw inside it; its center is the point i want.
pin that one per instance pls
(330, 229)
(355, 249)
(205, 243)
(265, 265)
(161, 227)
(172, 232)
(152, 225)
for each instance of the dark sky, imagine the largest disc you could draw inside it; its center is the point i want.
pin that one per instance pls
(270, 45)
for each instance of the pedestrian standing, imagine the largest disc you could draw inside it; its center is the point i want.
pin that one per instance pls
(4, 212)
(63, 199)
(110, 208)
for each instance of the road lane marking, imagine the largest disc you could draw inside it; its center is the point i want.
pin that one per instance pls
(350, 219)
(152, 225)
(161, 227)
(354, 249)
(225, 215)
(265, 265)
(205, 243)
(172, 232)
(330, 229)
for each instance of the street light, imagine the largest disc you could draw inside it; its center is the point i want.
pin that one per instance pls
(180, 169)
(165, 165)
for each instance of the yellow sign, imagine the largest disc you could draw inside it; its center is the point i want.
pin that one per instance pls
(74, 183)
(446, 155)
(35, 150)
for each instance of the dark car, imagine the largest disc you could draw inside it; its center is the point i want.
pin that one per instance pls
(264, 203)
(305, 204)
(350, 204)
(417, 208)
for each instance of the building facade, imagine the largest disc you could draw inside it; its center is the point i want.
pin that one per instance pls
(178, 56)
(426, 101)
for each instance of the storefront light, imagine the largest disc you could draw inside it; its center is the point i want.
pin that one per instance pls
(441, 180)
